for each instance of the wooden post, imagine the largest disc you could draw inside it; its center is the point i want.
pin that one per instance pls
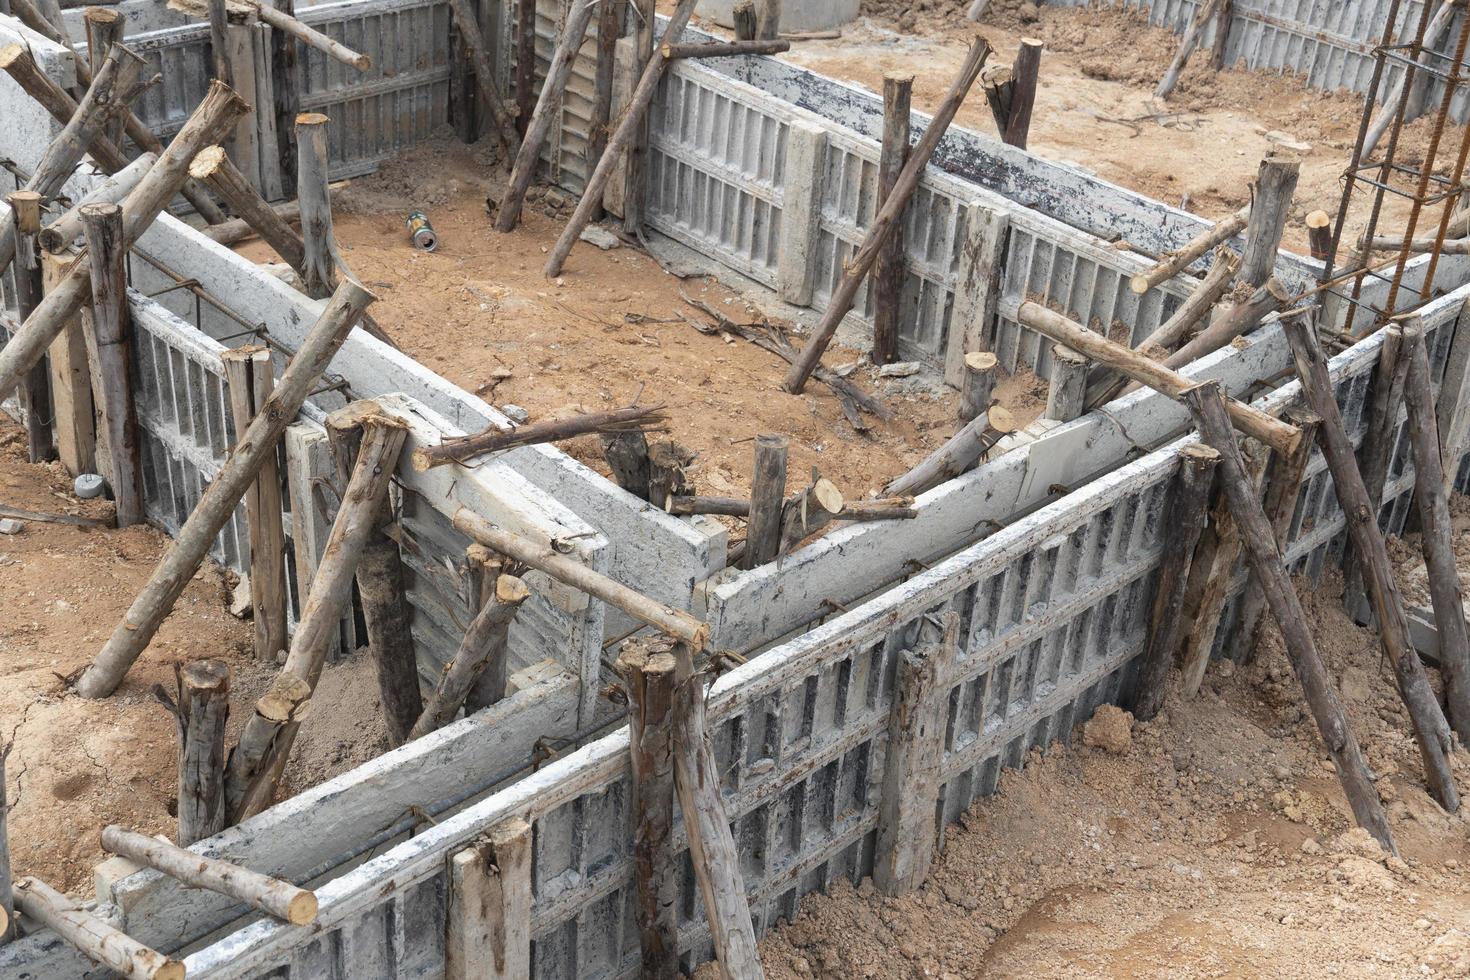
(1208, 405)
(1275, 185)
(483, 651)
(285, 75)
(634, 115)
(213, 167)
(808, 511)
(767, 497)
(1223, 16)
(1430, 727)
(648, 669)
(999, 83)
(609, 28)
(1188, 512)
(488, 934)
(104, 27)
(1437, 532)
(978, 387)
(634, 177)
(319, 266)
(1253, 422)
(627, 456)
(883, 225)
(217, 505)
(769, 22)
(667, 479)
(71, 378)
(547, 105)
(962, 451)
(907, 825)
(473, 37)
(898, 90)
(203, 706)
(219, 58)
(91, 936)
(265, 741)
(251, 378)
(1068, 389)
(1187, 43)
(36, 391)
(64, 231)
(269, 895)
(214, 117)
(1319, 234)
(380, 585)
(1186, 255)
(112, 331)
(747, 25)
(1025, 73)
(711, 845)
(525, 79)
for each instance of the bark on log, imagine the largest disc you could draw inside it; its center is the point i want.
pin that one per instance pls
(723, 49)
(35, 393)
(767, 498)
(1207, 403)
(483, 651)
(219, 49)
(635, 178)
(809, 511)
(380, 585)
(898, 91)
(1223, 20)
(718, 506)
(711, 844)
(318, 265)
(999, 83)
(1319, 234)
(627, 456)
(525, 77)
(768, 21)
(269, 895)
(548, 104)
(958, 455)
(1066, 396)
(1212, 573)
(1189, 505)
(493, 439)
(61, 234)
(648, 669)
(213, 167)
(471, 34)
(73, 412)
(1389, 377)
(1430, 727)
(1275, 184)
(634, 116)
(112, 331)
(668, 478)
(979, 384)
(214, 117)
(1185, 256)
(91, 936)
(218, 503)
(312, 38)
(610, 21)
(545, 559)
(251, 378)
(1242, 319)
(201, 711)
(104, 27)
(879, 509)
(1437, 533)
(1187, 42)
(887, 219)
(1273, 432)
(1025, 73)
(746, 23)
(285, 75)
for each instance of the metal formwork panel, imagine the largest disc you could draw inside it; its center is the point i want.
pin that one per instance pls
(181, 56)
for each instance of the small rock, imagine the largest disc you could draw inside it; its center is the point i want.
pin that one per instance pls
(1288, 142)
(1310, 846)
(10, 526)
(516, 414)
(1029, 13)
(601, 237)
(240, 605)
(899, 369)
(1109, 729)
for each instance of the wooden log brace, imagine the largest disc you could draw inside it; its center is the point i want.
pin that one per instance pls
(1275, 184)
(1207, 403)
(722, 49)
(91, 936)
(957, 456)
(104, 27)
(1187, 43)
(63, 232)
(472, 36)
(213, 167)
(1186, 255)
(627, 456)
(611, 19)
(747, 23)
(769, 19)
(1389, 377)
(978, 388)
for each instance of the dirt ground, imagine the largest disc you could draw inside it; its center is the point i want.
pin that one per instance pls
(78, 765)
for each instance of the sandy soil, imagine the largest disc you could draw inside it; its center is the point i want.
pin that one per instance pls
(1211, 842)
(78, 765)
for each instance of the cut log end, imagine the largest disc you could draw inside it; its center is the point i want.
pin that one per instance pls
(206, 162)
(1139, 284)
(102, 15)
(510, 589)
(302, 910)
(828, 496)
(10, 54)
(980, 360)
(1001, 420)
(207, 675)
(311, 119)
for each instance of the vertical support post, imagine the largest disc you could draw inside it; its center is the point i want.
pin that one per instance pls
(767, 497)
(219, 51)
(308, 468)
(488, 928)
(625, 80)
(320, 268)
(1275, 185)
(243, 144)
(525, 83)
(1067, 395)
(648, 669)
(1025, 73)
(1383, 419)
(634, 177)
(71, 381)
(907, 818)
(286, 89)
(898, 90)
(251, 379)
(978, 387)
(747, 22)
(104, 28)
(977, 288)
(769, 21)
(611, 17)
(1319, 234)
(203, 706)
(112, 334)
(36, 393)
(801, 211)
(1189, 507)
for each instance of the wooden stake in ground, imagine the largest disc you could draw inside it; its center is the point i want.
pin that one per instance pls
(1208, 405)
(1319, 234)
(35, 395)
(888, 216)
(215, 116)
(1275, 184)
(471, 35)
(963, 450)
(202, 708)
(1187, 42)
(769, 22)
(528, 159)
(219, 49)
(610, 21)
(1437, 532)
(1025, 73)
(1430, 727)
(668, 478)
(251, 379)
(285, 76)
(1067, 394)
(91, 936)
(1389, 377)
(217, 505)
(270, 895)
(711, 845)
(488, 932)
(256, 765)
(494, 439)
(74, 416)
(979, 385)
(747, 24)
(1189, 507)
(635, 178)
(648, 669)
(631, 126)
(1186, 255)
(319, 266)
(898, 93)
(627, 457)
(767, 497)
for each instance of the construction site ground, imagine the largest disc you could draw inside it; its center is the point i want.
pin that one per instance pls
(1211, 842)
